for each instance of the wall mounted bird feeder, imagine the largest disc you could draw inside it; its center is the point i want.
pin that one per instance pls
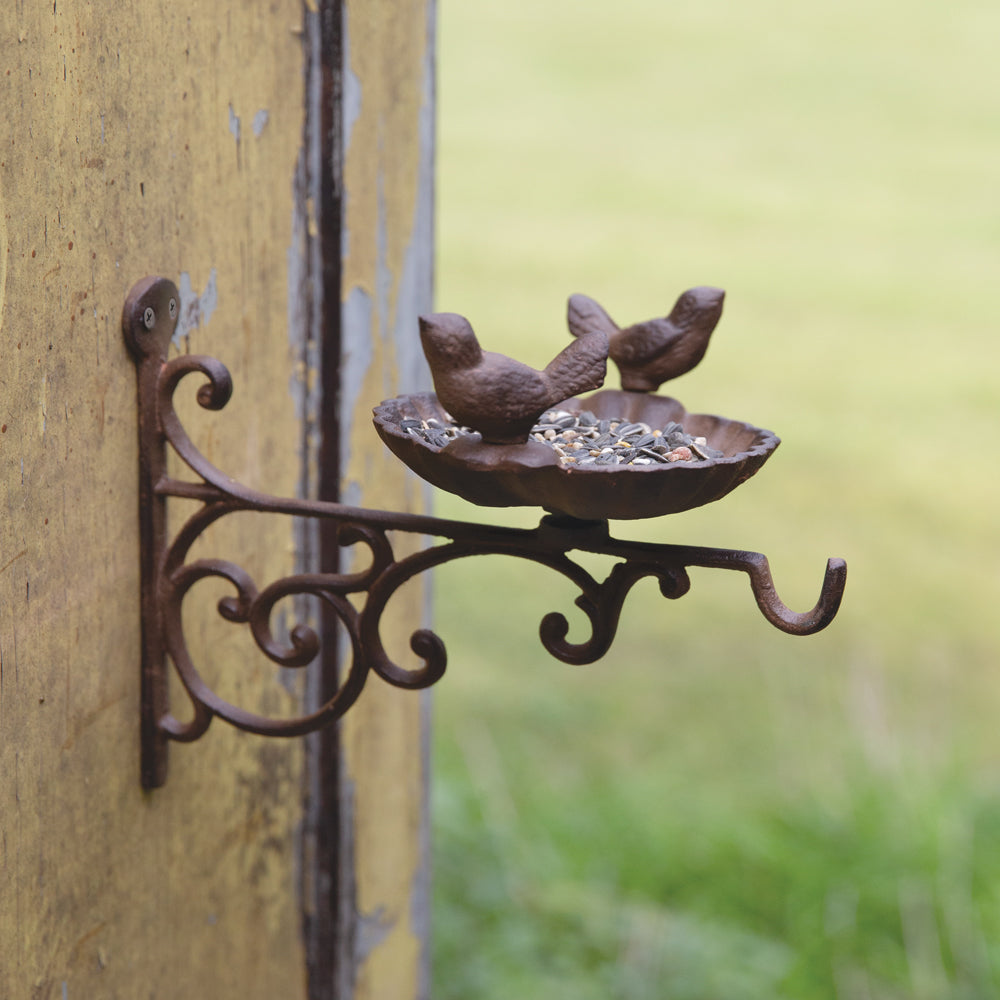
(495, 432)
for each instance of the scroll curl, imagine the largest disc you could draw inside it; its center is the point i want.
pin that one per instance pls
(255, 608)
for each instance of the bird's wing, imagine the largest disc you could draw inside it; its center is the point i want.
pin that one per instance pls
(642, 342)
(584, 315)
(686, 330)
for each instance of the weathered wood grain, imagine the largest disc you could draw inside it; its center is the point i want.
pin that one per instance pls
(386, 284)
(138, 138)
(170, 139)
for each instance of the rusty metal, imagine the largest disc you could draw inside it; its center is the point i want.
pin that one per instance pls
(530, 474)
(149, 320)
(653, 352)
(501, 397)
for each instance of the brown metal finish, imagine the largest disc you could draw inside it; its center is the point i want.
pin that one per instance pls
(653, 352)
(496, 395)
(149, 319)
(502, 398)
(168, 576)
(530, 474)
(325, 834)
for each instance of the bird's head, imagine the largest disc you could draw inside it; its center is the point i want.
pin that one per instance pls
(449, 342)
(701, 306)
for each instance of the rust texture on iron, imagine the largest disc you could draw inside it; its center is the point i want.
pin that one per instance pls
(653, 352)
(496, 395)
(168, 574)
(530, 474)
(502, 398)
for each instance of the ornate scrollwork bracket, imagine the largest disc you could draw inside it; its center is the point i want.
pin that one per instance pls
(149, 320)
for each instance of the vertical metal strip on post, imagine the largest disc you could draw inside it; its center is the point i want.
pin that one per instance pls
(153, 528)
(322, 867)
(148, 337)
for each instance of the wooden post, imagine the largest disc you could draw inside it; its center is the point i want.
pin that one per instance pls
(216, 145)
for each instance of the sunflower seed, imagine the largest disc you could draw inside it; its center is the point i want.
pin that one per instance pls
(633, 429)
(583, 439)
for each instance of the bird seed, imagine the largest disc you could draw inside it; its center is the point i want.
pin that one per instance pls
(582, 439)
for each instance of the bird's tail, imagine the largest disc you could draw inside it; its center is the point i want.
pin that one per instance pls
(582, 364)
(584, 316)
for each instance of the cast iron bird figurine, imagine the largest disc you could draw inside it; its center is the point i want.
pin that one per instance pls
(650, 353)
(496, 395)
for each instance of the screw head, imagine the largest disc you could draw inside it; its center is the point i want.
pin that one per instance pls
(148, 318)
(173, 308)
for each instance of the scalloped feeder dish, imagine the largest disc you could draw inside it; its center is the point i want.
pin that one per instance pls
(531, 474)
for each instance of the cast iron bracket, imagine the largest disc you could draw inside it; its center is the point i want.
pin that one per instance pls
(149, 320)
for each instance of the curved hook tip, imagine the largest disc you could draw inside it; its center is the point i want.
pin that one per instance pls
(832, 593)
(805, 622)
(826, 608)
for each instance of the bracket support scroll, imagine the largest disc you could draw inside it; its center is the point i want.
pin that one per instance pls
(167, 574)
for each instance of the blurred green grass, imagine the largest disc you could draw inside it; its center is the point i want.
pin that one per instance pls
(717, 810)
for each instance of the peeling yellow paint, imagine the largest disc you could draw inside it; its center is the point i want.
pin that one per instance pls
(385, 732)
(130, 153)
(388, 972)
(118, 162)
(312, 227)
(4, 254)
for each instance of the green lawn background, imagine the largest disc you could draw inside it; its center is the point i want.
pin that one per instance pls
(718, 810)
